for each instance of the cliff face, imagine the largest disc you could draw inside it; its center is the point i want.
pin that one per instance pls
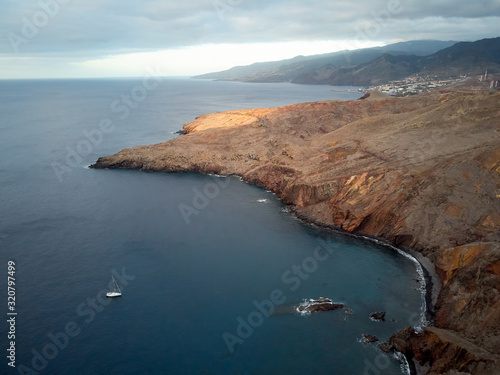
(466, 336)
(420, 172)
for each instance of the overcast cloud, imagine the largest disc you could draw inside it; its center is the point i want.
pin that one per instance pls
(79, 30)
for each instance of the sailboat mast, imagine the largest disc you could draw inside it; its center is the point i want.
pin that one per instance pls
(117, 288)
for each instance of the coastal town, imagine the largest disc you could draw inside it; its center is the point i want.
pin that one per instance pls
(417, 84)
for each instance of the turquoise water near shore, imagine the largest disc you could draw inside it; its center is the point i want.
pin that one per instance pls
(211, 295)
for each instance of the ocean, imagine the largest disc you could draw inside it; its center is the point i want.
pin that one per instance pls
(212, 293)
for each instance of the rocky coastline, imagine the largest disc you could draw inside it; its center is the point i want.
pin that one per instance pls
(430, 278)
(421, 173)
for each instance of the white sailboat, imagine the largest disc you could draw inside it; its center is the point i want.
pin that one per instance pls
(116, 292)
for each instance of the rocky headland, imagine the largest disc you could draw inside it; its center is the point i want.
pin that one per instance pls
(422, 173)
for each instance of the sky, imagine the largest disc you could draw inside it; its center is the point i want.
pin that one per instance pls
(129, 38)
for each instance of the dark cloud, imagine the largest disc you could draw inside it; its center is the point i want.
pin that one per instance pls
(99, 27)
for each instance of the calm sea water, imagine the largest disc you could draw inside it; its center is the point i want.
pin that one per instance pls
(196, 293)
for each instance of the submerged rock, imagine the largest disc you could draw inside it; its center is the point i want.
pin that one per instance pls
(378, 316)
(349, 311)
(319, 304)
(368, 339)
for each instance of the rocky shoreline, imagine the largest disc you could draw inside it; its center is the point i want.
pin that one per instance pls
(421, 173)
(431, 280)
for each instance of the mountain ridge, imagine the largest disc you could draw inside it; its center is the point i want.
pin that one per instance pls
(374, 66)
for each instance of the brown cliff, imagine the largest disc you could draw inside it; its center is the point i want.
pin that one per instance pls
(422, 173)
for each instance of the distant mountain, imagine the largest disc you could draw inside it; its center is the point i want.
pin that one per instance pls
(465, 57)
(293, 69)
(372, 66)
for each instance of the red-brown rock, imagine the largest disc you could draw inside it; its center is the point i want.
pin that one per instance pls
(420, 172)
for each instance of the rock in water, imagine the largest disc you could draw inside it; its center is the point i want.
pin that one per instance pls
(323, 307)
(368, 339)
(318, 304)
(378, 316)
(347, 310)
